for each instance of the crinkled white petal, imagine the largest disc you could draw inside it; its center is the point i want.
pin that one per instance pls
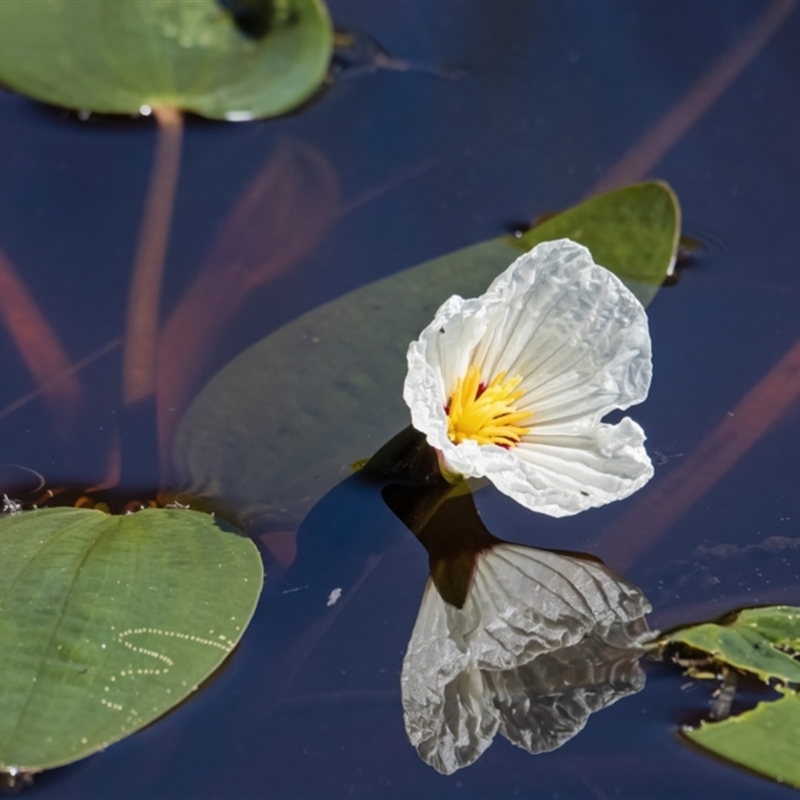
(524, 604)
(579, 340)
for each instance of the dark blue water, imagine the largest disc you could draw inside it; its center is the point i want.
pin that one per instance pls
(550, 96)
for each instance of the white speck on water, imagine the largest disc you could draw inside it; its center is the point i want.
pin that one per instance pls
(238, 116)
(145, 110)
(334, 596)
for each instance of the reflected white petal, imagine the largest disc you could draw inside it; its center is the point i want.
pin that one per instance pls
(446, 716)
(547, 701)
(525, 607)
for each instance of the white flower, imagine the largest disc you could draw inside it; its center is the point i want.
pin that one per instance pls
(512, 385)
(543, 641)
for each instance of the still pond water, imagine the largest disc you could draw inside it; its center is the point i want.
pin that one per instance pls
(493, 113)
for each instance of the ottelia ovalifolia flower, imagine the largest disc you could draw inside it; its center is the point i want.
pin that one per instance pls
(513, 385)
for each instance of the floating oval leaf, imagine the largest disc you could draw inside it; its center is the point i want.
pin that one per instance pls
(753, 640)
(278, 427)
(116, 57)
(765, 740)
(106, 622)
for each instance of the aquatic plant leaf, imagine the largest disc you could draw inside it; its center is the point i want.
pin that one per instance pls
(280, 425)
(753, 640)
(765, 739)
(107, 622)
(116, 57)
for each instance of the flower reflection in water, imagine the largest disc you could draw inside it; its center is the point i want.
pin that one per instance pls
(509, 638)
(542, 641)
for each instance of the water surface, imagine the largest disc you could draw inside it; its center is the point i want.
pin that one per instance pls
(549, 98)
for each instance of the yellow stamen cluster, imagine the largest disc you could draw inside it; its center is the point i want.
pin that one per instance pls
(486, 414)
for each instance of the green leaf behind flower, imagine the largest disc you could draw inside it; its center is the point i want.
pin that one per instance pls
(107, 622)
(114, 57)
(634, 232)
(282, 423)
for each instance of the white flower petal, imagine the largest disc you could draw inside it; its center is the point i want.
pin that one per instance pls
(566, 474)
(578, 339)
(464, 667)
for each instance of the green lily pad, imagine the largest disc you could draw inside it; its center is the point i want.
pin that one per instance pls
(107, 622)
(115, 57)
(753, 640)
(280, 425)
(765, 740)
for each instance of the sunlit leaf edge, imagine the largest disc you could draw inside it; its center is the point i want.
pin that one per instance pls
(743, 748)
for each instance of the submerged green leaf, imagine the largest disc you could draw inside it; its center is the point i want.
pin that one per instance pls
(754, 640)
(107, 622)
(115, 57)
(280, 425)
(765, 740)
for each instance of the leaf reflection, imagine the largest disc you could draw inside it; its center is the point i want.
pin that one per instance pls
(281, 217)
(510, 639)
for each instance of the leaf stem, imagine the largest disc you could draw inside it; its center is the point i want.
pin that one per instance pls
(141, 335)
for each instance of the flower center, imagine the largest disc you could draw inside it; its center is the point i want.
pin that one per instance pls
(484, 413)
